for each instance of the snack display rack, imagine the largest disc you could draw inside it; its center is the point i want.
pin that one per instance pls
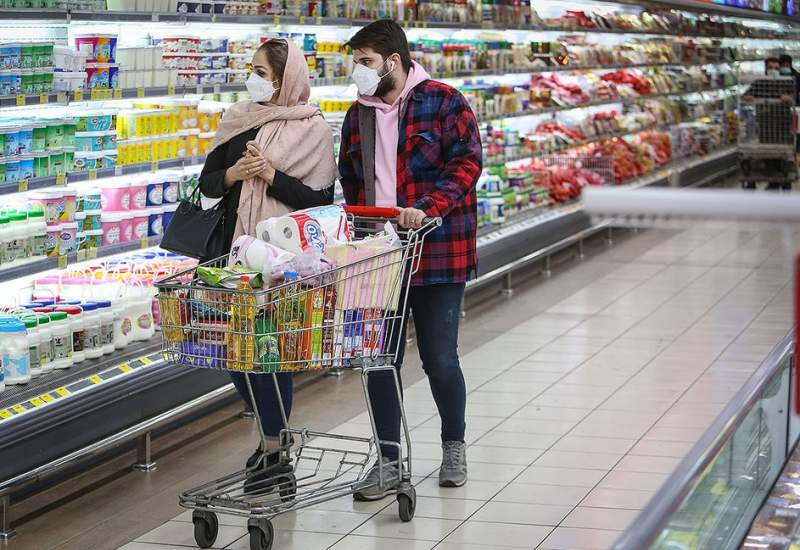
(104, 396)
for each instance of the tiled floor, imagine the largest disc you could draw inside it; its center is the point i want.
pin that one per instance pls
(577, 414)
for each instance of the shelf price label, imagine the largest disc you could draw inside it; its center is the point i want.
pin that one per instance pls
(22, 185)
(92, 173)
(36, 402)
(81, 255)
(318, 20)
(78, 94)
(61, 97)
(302, 20)
(94, 379)
(144, 243)
(62, 391)
(140, 92)
(46, 397)
(63, 261)
(170, 90)
(44, 98)
(213, 17)
(4, 414)
(61, 178)
(276, 20)
(117, 93)
(145, 361)
(91, 253)
(20, 100)
(124, 367)
(19, 409)
(154, 166)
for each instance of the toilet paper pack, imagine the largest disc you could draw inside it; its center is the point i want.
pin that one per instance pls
(333, 220)
(295, 232)
(253, 253)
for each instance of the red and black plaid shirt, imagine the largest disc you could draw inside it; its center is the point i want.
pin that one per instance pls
(439, 159)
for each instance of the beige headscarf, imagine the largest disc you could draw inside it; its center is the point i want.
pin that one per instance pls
(294, 137)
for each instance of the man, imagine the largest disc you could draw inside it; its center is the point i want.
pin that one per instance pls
(786, 68)
(413, 142)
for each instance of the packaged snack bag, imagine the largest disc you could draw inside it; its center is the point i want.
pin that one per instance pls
(267, 349)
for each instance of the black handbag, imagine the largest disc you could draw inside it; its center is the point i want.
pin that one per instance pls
(195, 232)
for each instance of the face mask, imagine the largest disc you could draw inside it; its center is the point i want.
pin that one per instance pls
(259, 89)
(786, 71)
(367, 79)
(773, 72)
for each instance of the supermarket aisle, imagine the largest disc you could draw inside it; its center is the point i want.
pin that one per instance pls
(579, 411)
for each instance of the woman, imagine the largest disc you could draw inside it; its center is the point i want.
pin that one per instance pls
(271, 155)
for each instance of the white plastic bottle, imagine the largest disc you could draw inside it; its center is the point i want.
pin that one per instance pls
(106, 326)
(78, 328)
(5, 239)
(34, 344)
(123, 322)
(14, 347)
(38, 234)
(91, 340)
(62, 340)
(46, 346)
(15, 251)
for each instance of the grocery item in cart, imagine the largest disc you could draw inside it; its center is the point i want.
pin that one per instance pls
(256, 254)
(294, 232)
(233, 277)
(333, 221)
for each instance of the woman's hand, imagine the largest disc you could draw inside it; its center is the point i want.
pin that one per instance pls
(267, 173)
(246, 167)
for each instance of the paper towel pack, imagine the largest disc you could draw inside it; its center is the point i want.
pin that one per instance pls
(252, 253)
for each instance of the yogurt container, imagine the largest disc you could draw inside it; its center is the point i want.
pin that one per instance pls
(116, 196)
(99, 48)
(139, 224)
(89, 141)
(170, 194)
(112, 233)
(26, 166)
(89, 200)
(24, 140)
(92, 239)
(52, 202)
(70, 198)
(12, 170)
(53, 240)
(10, 141)
(68, 238)
(155, 222)
(95, 122)
(138, 195)
(91, 221)
(102, 76)
(41, 164)
(125, 227)
(155, 191)
(169, 211)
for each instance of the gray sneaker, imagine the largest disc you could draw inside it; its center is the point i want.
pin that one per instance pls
(372, 490)
(453, 472)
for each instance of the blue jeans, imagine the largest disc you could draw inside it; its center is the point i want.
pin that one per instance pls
(266, 398)
(437, 311)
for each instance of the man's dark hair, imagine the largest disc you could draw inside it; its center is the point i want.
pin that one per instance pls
(769, 60)
(785, 58)
(385, 37)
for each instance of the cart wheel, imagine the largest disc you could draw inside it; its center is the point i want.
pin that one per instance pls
(407, 504)
(206, 528)
(261, 535)
(288, 488)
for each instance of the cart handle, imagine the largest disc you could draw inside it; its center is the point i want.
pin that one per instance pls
(386, 213)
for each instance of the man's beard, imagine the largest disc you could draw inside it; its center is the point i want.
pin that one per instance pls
(385, 86)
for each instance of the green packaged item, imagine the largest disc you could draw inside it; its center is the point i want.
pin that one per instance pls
(57, 163)
(69, 158)
(69, 126)
(268, 353)
(234, 277)
(55, 135)
(27, 56)
(28, 81)
(2, 171)
(39, 137)
(41, 164)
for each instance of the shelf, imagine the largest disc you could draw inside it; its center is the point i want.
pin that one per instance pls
(37, 266)
(71, 177)
(60, 15)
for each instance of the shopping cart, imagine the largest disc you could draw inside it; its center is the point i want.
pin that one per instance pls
(767, 133)
(347, 317)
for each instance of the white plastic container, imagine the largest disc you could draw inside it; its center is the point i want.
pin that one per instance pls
(46, 345)
(106, 326)
(5, 239)
(62, 340)
(91, 341)
(140, 299)
(123, 323)
(38, 234)
(77, 326)
(34, 344)
(14, 347)
(73, 288)
(15, 251)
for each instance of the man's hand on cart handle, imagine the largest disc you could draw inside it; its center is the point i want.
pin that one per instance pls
(411, 218)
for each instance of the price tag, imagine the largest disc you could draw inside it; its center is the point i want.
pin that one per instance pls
(170, 90)
(61, 178)
(154, 17)
(63, 261)
(23, 185)
(216, 88)
(44, 98)
(124, 367)
(20, 100)
(302, 20)
(276, 20)
(144, 243)
(81, 255)
(140, 92)
(214, 18)
(145, 361)
(118, 170)
(117, 93)
(154, 166)
(61, 97)
(92, 173)
(94, 379)
(4, 414)
(424, 24)
(91, 253)
(199, 90)
(46, 397)
(62, 392)
(78, 95)
(36, 402)
(96, 94)
(318, 20)
(19, 409)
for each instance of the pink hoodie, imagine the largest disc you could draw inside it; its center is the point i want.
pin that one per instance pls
(386, 136)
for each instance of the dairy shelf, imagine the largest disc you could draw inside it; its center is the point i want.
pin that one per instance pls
(61, 15)
(71, 177)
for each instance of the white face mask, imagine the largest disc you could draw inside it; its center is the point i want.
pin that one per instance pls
(259, 89)
(773, 72)
(367, 79)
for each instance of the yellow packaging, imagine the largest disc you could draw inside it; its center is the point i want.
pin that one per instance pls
(192, 142)
(163, 148)
(173, 145)
(124, 150)
(143, 150)
(241, 338)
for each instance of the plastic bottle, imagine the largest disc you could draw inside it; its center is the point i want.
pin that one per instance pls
(5, 239)
(17, 236)
(34, 344)
(62, 340)
(91, 340)
(123, 323)
(106, 326)
(78, 328)
(46, 346)
(14, 347)
(38, 234)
